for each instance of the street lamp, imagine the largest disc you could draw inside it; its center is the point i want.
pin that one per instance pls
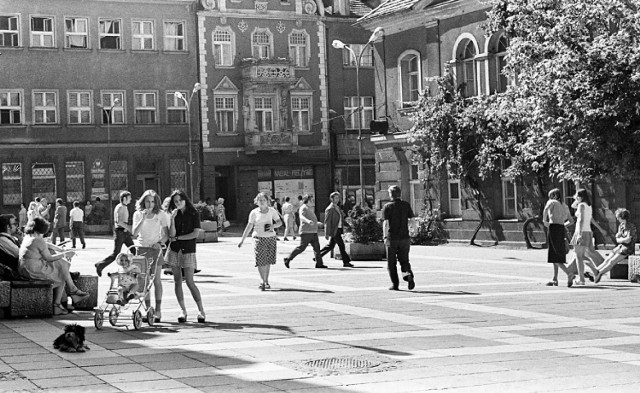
(378, 32)
(109, 113)
(187, 102)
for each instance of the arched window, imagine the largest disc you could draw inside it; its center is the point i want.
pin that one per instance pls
(467, 81)
(223, 46)
(410, 78)
(500, 62)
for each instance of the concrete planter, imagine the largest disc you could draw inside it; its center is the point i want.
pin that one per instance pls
(365, 252)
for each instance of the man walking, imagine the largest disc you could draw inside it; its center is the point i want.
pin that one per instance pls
(76, 224)
(334, 227)
(122, 231)
(395, 229)
(59, 221)
(308, 234)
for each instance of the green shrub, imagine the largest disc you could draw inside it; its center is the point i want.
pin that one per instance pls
(365, 227)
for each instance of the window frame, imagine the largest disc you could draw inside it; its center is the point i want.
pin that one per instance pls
(504, 181)
(349, 60)
(350, 123)
(18, 168)
(451, 200)
(264, 112)
(102, 35)
(300, 60)
(218, 111)
(178, 38)
(116, 109)
(462, 63)
(231, 44)
(42, 34)
(70, 34)
(257, 47)
(142, 36)
(79, 108)
(137, 108)
(20, 106)
(44, 108)
(18, 36)
(407, 78)
(70, 195)
(309, 110)
(173, 103)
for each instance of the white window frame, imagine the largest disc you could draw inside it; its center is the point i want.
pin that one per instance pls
(455, 204)
(177, 39)
(257, 49)
(106, 34)
(73, 33)
(351, 107)
(261, 111)
(177, 105)
(45, 108)
(118, 115)
(79, 109)
(299, 52)
(505, 181)
(13, 108)
(38, 37)
(409, 78)
(220, 58)
(462, 64)
(145, 94)
(11, 33)
(349, 60)
(297, 112)
(223, 113)
(142, 38)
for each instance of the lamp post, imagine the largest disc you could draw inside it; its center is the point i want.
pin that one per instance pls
(378, 32)
(187, 102)
(109, 113)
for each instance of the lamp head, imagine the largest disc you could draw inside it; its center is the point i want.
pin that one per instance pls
(338, 44)
(116, 101)
(197, 87)
(177, 94)
(377, 33)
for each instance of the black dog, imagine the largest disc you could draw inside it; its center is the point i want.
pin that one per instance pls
(72, 340)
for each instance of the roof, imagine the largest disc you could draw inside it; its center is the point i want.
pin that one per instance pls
(358, 8)
(390, 7)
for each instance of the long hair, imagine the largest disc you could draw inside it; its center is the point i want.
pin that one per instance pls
(187, 202)
(582, 193)
(156, 199)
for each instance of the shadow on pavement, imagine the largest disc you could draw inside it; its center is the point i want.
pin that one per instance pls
(300, 290)
(445, 292)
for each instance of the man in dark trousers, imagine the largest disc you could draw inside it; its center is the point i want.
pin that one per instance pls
(308, 234)
(395, 229)
(59, 221)
(121, 233)
(334, 227)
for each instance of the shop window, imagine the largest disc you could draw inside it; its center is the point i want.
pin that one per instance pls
(43, 184)
(118, 179)
(75, 180)
(42, 34)
(142, 35)
(178, 172)
(98, 183)
(11, 183)
(174, 36)
(9, 31)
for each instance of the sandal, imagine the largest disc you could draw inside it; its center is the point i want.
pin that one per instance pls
(552, 283)
(201, 317)
(182, 318)
(59, 310)
(570, 280)
(261, 286)
(267, 286)
(78, 295)
(588, 276)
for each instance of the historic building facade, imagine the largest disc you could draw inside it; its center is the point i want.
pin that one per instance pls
(88, 102)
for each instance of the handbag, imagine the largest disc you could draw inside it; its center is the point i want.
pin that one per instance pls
(226, 224)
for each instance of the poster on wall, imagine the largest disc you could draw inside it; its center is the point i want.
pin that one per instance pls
(265, 186)
(293, 187)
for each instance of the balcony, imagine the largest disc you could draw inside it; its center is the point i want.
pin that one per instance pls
(270, 141)
(268, 71)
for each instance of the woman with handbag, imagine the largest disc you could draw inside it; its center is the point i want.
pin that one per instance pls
(556, 218)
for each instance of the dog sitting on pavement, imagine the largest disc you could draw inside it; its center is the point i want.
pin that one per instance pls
(72, 340)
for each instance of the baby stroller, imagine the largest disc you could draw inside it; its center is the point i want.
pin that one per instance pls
(146, 259)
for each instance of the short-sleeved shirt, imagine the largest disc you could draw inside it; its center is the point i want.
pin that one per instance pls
(398, 212)
(76, 215)
(185, 223)
(120, 216)
(259, 220)
(150, 231)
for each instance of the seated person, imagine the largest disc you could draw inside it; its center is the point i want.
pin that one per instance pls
(9, 241)
(626, 239)
(127, 275)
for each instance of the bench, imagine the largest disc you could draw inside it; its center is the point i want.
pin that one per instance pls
(26, 299)
(633, 268)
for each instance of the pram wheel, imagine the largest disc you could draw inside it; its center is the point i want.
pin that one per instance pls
(98, 318)
(137, 320)
(113, 316)
(151, 318)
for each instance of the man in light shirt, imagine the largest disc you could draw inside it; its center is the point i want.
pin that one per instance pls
(76, 224)
(121, 233)
(334, 227)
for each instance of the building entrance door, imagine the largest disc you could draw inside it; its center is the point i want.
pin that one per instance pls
(148, 181)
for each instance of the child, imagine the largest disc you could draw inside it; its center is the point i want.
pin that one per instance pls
(128, 284)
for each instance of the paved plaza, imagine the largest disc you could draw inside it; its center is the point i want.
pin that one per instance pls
(479, 320)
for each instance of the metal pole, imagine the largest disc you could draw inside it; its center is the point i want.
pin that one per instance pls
(190, 152)
(359, 110)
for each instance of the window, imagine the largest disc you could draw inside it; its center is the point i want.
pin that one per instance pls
(466, 75)
(348, 59)
(76, 33)
(500, 62)
(118, 178)
(11, 183)
(410, 78)
(455, 202)
(174, 39)
(508, 197)
(45, 107)
(142, 35)
(110, 34)
(351, 108)
(43, 180)
(42, 31)
(145, 107)
(300, 113)
(225, 113)
(178, 172)
(80, 108)
(262, 45)
(75, 180)
(568, 191)
(113, 99)
(176, 108)
(10, 107)
(299, 48)
(223, 46)
(9, 32)
(264, 113)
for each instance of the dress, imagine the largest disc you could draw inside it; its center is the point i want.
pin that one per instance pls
(265, 243)
(556, 214)
(33, 264)
(585, 231)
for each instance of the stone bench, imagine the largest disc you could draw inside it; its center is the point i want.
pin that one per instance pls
(633, 268)
(87, 284)
(26, 299)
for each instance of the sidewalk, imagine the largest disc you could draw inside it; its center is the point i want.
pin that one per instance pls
(479, 320)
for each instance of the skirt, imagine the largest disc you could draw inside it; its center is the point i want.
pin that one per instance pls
(557, 247)
(587, 240)
(178, 259)
(265, 249)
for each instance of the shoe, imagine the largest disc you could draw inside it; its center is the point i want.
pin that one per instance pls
(78, 295)
(73, 246)
(74, 275)
(286, 262)
(168, 272)
(261, 286)
(131, 296)
(267, 286)
(552, 283)
(321, 266)
(588, 276)
(182, 318)
(201, 317)
(347, 264)
(285, 239)
(197, 271)
(412, 283)
(579, 283)
(394, 288)
(99, 269)
(83, 246)
(597, 278)
(570, 280)
(69, 307)
(59, 310)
